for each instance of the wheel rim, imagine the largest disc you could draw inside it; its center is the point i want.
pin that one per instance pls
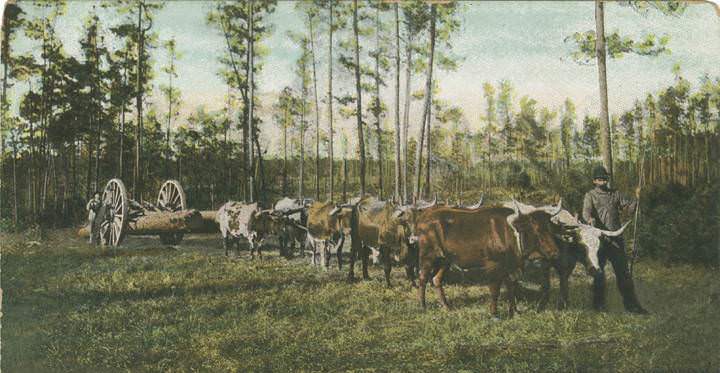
(172, 197)
(114, 225)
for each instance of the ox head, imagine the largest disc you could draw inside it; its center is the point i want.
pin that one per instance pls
(266, 222)
(536, 231)
(586, 236)
(407, 216)
(344, 216)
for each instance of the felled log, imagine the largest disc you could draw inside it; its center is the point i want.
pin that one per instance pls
(186, 221)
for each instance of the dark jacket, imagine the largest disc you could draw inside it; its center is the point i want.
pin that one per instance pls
(602, 208)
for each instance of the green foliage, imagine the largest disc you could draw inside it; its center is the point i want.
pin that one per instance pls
(680, 224)
(617, 46)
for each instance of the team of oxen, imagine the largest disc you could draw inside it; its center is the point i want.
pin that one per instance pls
(427, 238)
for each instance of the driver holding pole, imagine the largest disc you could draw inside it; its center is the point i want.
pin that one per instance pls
(601, 209)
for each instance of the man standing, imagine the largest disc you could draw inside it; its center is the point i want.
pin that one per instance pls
(601, 209)
(92, 208)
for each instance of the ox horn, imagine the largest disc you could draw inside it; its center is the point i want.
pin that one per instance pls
(334, 211)
(434, 202)
(617, 232)
(516, 207)
(477, 205)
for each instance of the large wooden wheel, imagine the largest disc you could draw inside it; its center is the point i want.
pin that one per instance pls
(113, 226)
(171, 198)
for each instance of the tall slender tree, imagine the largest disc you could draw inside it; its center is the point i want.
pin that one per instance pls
(398, 172)
(425, 124)
(358, 99)
(592, 45)
(172, 96)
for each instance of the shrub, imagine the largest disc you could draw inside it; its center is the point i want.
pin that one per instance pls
(680, 224)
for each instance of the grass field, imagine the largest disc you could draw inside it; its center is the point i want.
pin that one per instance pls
(70, 307)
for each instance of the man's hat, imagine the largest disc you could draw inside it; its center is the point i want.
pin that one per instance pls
(600, 173)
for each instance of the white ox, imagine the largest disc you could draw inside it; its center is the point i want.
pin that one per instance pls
(239, 220)
(588, 236)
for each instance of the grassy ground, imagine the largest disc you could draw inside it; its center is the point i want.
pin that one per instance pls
(69, 307)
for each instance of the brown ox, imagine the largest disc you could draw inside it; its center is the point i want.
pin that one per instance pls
(383, 226)
(374, 224)
(491, 239)
(323, 231)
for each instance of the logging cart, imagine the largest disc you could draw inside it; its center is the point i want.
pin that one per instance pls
(169, 218)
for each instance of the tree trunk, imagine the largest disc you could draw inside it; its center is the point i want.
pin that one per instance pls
(98, 113)
(605, 141)
(169, 120)
(3, 102)
(242, 183)
(345, 177)
(15, 189)
(121, 165)
(285, 173)
(317, 114)
(259, 169)
(137, 172)
(358, 89)
(406, 116)
(428, 151)
(426, 111)
(397, 104)
(251, 84)
(302, 132)
(330, 107)
(378, 130)
(185, 221)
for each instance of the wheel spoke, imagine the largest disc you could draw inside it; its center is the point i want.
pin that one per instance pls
(171, 196)
(116, 231)
(177, 200)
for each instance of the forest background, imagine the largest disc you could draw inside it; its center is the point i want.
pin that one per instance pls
(398, 100)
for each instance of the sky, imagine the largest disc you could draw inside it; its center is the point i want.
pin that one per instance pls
(522, 42)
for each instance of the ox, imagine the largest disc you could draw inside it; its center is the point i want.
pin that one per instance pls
(577, 242)
(380, 226)
(492, 239)
(325, 230)
(237, 219)
(292, 231)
